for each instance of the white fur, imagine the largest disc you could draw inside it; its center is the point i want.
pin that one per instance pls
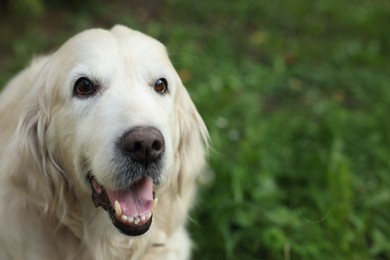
(47, 135)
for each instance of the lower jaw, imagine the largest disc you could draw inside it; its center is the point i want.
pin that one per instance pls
(131, 230)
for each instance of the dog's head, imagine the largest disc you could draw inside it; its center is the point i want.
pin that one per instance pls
(111, 122)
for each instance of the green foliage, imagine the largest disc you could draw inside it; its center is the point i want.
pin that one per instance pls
(296, 97)
(32, 8)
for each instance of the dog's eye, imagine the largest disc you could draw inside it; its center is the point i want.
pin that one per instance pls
(84, 88)
(161, 85)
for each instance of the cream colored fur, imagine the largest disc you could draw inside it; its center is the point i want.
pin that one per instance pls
(46, 134)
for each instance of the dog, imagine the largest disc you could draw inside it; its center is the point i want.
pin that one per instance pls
(92, 136)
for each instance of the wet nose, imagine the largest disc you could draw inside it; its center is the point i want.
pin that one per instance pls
(143, 144)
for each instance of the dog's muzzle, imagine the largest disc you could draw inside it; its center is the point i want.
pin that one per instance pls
(130, 205)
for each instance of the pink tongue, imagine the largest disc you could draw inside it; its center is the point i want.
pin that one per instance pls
(138, 199)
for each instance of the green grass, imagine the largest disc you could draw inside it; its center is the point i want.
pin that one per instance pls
(296, 96)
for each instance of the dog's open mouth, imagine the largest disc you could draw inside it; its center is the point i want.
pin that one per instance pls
(131, 209)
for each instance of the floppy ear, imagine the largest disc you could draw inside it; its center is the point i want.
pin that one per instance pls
(35, 170)
(193, 142)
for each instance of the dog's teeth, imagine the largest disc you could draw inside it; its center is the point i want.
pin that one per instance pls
(124, 218)
(118, 209)
(154, 205)
(130, 219)
(136, 221)
(143, 218)
(147, 216)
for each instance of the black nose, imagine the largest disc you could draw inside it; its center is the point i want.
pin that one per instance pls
(144, 144)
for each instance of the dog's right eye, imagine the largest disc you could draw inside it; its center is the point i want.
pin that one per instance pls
(83, 87)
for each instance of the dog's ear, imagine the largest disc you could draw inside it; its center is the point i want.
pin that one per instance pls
(193, 141)
(36, 170)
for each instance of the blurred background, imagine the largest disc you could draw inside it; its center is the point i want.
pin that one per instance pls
(296, 96)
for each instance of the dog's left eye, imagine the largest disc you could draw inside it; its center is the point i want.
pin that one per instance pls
(83, 87)
(161, 85)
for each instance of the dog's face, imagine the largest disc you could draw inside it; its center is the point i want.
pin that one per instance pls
(114, 120)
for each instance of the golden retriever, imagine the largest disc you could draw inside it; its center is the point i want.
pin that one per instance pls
(91, 137)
